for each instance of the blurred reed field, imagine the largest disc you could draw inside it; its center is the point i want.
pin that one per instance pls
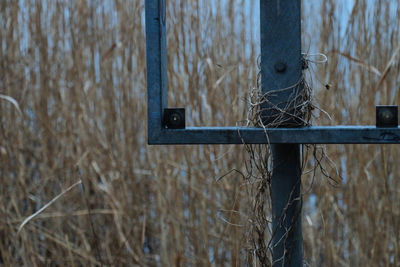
(76, 70)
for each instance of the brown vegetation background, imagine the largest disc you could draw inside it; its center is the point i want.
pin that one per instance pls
(77, 71)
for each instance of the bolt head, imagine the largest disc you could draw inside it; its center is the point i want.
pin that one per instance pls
(280, 66)
(174, 118)
(386, 116)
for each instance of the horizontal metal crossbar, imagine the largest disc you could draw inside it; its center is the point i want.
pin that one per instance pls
(304, 135)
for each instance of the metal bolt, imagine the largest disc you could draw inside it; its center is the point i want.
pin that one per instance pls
(387, 115)
(280, 66)
(175, 120)
(175, 117)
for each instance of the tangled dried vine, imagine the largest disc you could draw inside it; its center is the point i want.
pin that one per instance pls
(294, 113)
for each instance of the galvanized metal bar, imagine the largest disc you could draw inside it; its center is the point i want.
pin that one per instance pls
(281, 62)
(156, 57)
(304, 135)
(286, 206)
(281, 72)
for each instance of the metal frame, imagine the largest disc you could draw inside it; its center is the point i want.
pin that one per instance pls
(281, 67)
(244, 135)
(156, 49)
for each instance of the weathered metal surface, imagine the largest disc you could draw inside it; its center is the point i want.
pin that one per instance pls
(304, 135)
(387, 116)
(286, 206)
(281, 76)
(174, 118)
(156, 53)
(281, 62)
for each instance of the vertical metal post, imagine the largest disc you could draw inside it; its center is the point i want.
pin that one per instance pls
(281, 67)
(286, 206)
(156, 54)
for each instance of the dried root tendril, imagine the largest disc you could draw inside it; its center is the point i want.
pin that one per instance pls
(294, 113)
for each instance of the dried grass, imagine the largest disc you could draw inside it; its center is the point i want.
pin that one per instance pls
(77, 71)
